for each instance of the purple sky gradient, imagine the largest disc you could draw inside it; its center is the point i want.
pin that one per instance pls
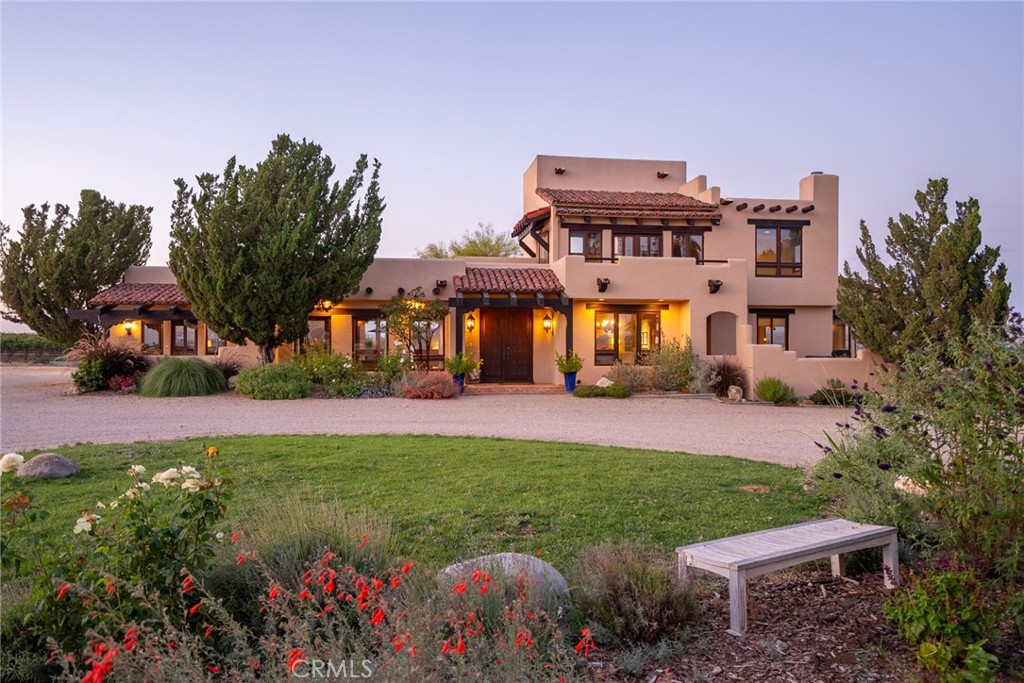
(457, 99)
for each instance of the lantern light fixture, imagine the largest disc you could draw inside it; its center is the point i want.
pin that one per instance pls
(547, 323)
(470, 322)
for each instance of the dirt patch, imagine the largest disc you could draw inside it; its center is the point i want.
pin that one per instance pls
(805, 627)
(755, 488)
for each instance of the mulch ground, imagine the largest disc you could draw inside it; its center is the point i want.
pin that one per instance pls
(801, 628)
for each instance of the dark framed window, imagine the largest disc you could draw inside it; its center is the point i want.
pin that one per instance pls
(773, 329)
(369, 338)
(152, 338)
(779, 252)
(637, 245)
(319, 334)
(183, 338)
(625, 337)
(586, 243)
(213, 342)
(686, 245)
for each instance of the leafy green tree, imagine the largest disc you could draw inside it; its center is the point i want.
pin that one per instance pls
(256, 249)
(484, 240)
(939, 281)
(414, 320)
(59, 264)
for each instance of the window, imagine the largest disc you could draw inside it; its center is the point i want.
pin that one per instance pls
(779, 252)
(213, 342)
(152, 338)
(369, 339)
(183, 338)
(586, 243)
(616, 338)
(319, 335)
(637, 245)
(773, 329)
(687, 246)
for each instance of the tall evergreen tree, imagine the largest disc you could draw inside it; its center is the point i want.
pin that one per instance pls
(58, 265)
(256, 249)
(939, 280)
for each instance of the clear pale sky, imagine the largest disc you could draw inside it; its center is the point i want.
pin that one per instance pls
(456, 99)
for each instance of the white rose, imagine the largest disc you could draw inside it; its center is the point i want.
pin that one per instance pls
(85, 522)
(192, 485)
(11, 462)
(136, 470)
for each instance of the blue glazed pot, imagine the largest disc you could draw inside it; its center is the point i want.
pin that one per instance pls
(460, 383)
(570, 382)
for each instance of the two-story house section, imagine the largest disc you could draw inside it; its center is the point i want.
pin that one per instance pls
(620, 256)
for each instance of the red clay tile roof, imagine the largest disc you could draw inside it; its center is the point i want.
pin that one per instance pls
(529, 218)
(140, 294)
(518, 280)
(624, 200)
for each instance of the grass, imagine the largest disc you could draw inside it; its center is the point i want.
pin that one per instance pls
(464, 496)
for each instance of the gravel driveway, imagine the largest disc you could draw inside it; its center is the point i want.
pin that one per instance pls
(36, 413)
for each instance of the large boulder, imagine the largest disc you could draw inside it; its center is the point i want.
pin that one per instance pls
(48, 466)
(735, 393)
(548, 583)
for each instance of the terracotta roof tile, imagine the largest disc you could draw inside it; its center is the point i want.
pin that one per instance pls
(624, 200)
(140, 294)
(529, 218)
(518, 280)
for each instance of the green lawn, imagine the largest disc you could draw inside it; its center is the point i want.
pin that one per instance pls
(479, 495)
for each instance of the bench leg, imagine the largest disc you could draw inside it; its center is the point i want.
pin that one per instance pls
(681, 561)
(891, 559)
(838, 565)
(737, 603)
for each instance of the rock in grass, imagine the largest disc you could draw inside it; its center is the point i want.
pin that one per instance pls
(735, 393)
(48, 466)
(604, 382)
(541, 576)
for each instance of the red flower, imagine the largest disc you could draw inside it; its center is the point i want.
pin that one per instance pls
(397, 642)
(187, 584)
(377, 583)
(460, 647)
(274, 592)
(396, 581)
(214, 669)
(295, 657)
(407, 566)
(305, 595)
(62, 590)
(102, 662)
(524, 637)
(209, 630)
(363, 544)
(446, 647)
(111, 586)
(242, 558)
(195, 608)
(378, 616)
(234, 538)
(586, 643)
(131, 638)
(459, 588)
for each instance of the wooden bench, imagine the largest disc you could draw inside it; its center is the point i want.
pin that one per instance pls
(739, 558)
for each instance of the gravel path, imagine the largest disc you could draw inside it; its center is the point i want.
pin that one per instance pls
(37, 413)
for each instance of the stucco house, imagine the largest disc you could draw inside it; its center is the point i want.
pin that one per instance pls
(621, 256)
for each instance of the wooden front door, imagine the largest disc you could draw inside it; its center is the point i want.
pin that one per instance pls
(506, 345)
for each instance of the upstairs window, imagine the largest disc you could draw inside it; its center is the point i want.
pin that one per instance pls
(687, 246)
(637, 245)
(779, 252)
(586, 243)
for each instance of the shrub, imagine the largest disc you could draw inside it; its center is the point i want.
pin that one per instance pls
(594, 391)
(636, 596)
(832, 394)
(427, 385)
(274, 382)
(182, 377)
(674, 366)
(723, 372)
(116, 358)
(89, 376)
(774, 390)
(460, 364)
(27, 341)
(324, 367)
(229, 366)
(635, 377)
(122, 384)
(366, 385)
(570, 362)
(393, 365)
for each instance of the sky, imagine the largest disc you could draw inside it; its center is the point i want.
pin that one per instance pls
(456, 99)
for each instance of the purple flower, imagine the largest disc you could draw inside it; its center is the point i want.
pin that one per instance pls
(837, 475)
(1000, 436)
(880, 431)
(889, 409)
(884, 466)
(940, 405)
(988, 366)
(917, 418)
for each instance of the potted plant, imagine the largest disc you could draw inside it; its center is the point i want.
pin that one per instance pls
(461, 365)
(569, 365)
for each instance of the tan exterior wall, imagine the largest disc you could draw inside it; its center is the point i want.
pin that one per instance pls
(588, 173)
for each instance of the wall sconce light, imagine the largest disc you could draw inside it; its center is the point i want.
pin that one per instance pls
(470, 322)
(559, 170)
(441, 283)
(401, 291)
(602, 284)
(547, 323)
(662, 174)
(369, 290)
(436, 291)
(714, 286)
(128, 327)
(325, 305)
